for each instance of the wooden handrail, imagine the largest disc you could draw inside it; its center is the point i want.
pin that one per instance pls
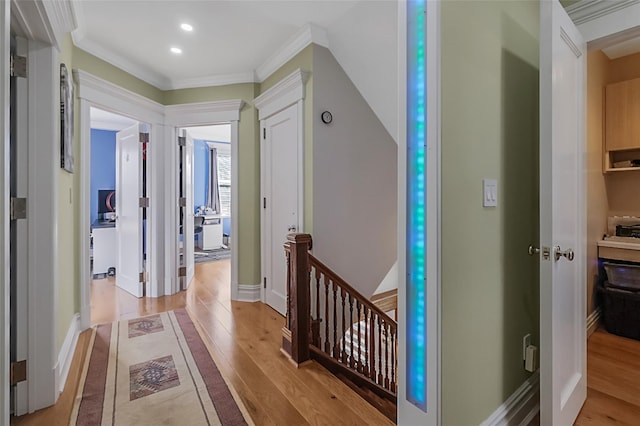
(314, 262)
(332, 318)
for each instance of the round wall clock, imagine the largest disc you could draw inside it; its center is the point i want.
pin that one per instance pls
(326, 117)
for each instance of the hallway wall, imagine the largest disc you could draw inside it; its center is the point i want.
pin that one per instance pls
(490, 128)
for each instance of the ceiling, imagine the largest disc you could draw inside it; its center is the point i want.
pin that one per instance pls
(244, 41)
(137, 36)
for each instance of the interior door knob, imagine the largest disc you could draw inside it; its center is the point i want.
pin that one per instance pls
(567, 254)
(533, 250)
(292, 228)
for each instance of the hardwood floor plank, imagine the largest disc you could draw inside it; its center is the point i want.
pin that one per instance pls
(601, 409)
(244, 341)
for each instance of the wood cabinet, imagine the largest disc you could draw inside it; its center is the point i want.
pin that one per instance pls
(622, 125)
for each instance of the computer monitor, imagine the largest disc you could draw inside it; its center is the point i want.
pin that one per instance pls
(106, 201)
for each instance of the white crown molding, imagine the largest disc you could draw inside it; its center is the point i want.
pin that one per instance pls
(203, 113)
(286, 92)
(588, 10)
(520, 407)
(102, 92)
(159, 81)
(216, 80)
(308, 34)
(62, 17)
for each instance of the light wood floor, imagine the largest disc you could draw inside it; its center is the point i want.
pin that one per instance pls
(245, 341)
(613, 381)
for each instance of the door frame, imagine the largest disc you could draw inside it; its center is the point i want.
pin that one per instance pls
(192, 115)
(290, 91)
(408, 413)
(98, 93)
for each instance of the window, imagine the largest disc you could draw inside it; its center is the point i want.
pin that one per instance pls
(224, 183)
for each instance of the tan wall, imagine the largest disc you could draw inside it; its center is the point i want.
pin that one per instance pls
(623, 187)
(597, 203)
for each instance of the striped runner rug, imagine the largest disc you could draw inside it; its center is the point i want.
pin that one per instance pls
(154, 370)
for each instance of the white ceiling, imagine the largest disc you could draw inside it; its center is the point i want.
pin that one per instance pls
(104, 120)
(245, 41)
(137, 35)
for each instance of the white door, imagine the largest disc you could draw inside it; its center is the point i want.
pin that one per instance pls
(281, 180)
(188, 227)
(128, 211)
(562, 217)
(19, 284)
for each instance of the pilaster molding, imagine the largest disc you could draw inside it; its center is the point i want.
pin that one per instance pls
(286, 92)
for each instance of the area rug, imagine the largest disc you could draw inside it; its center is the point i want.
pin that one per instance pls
(154, 370)
(211, 255)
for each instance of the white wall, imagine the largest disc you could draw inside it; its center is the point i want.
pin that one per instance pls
(365, 43)
(354, 180)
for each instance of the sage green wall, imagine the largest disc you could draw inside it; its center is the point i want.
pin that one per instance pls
(248, 169)
(67, 232)
(489, 130)
(303, 61)
(96, 66)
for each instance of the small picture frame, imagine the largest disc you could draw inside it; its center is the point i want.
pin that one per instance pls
(66, 119)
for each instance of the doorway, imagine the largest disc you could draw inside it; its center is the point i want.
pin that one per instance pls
(118, 211)
(204, 189)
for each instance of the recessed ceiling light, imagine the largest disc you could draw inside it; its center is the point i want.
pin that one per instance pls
(176, 50)
(186, 27)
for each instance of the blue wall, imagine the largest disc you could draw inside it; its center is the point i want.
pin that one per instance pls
(200, 173)
(103, 165)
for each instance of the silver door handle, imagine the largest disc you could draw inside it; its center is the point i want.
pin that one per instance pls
(533, 250)
(558, 253)
(292, 228)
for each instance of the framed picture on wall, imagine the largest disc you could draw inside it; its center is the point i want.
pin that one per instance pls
(66, 119)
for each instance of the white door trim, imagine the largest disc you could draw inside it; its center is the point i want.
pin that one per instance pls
(4, 217)
(287, 92)
(407, 412)
(200, 114)
(96, 92)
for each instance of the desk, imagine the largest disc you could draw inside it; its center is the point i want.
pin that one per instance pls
(211, 236)
(104, 246)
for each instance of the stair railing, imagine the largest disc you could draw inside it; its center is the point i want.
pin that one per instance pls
(330, 321)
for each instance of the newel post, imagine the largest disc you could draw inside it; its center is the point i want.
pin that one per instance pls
(299, 297)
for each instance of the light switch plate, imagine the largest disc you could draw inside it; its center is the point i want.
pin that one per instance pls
(490, 193)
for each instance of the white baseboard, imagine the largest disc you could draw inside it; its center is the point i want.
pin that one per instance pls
(521, 407)
(66, 352)
(249, 293)
(593, 321)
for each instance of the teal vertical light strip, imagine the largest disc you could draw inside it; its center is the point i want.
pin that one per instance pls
(416, 353)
